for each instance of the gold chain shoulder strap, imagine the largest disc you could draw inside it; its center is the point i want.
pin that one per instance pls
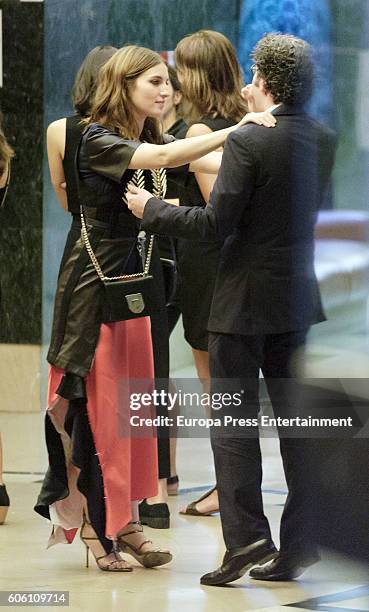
(96, 264)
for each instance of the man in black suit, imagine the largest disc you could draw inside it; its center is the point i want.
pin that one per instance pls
(263, 206)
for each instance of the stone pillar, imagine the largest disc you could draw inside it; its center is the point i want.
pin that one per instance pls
(350, 42)
(21, 99)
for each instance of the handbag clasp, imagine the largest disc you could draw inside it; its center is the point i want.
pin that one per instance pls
(135, 302)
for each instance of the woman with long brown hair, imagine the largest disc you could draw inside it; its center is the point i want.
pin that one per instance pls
(99, 471)
(211, 81)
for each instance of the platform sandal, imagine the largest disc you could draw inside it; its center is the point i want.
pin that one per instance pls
(147, 558)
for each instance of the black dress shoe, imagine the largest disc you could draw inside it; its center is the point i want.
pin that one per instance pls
(156, 516)
(284, 568)
(237, 561)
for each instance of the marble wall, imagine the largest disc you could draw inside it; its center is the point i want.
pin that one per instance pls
(338, 32)
(350, 44)
(308, 19)
(21, 221)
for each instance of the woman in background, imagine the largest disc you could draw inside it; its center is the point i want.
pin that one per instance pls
(154, 512)
(211, 82)
(175, 125)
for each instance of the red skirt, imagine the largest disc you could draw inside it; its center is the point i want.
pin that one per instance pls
(128, 460)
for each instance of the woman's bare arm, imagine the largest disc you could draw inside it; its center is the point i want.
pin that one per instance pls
(204, 181)
(183, 151)
(55, 138)
(209, 163)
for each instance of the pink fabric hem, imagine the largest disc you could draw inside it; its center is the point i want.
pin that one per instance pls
(129, 464)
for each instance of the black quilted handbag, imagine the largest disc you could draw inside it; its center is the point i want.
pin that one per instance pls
(130, 296)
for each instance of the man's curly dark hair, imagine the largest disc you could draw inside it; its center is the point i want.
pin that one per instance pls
(284, 62)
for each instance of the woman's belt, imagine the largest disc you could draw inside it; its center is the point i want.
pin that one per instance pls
(116, 228)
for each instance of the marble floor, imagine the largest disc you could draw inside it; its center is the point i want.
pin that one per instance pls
(335, 584)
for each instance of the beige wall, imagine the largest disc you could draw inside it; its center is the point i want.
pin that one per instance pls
(19, 377)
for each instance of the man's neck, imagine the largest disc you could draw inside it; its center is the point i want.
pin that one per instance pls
(268, 103)
(273, 107)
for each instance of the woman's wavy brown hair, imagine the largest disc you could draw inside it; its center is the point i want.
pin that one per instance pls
(113, 106)
(210, 76)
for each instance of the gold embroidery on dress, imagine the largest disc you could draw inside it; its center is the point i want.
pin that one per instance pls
(159, 181)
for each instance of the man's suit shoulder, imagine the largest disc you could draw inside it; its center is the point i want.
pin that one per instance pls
(249, 141)
(251, 134)
(244, 138)
(246, 132)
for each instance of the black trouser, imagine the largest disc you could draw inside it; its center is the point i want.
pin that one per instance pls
(160, 342)
(238, 459)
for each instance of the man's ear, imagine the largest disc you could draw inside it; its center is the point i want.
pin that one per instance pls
(177, 98)
(263, 87)
(246, 94)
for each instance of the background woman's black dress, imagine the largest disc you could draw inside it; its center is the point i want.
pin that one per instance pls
(197, 261)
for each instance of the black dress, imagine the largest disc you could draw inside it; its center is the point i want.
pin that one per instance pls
(73, 134)
(197, 261)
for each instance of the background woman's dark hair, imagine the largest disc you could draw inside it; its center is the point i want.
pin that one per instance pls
(85, 83)
(173, 78)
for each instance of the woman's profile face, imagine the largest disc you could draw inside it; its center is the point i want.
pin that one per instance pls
(171, 102)
(150, 91)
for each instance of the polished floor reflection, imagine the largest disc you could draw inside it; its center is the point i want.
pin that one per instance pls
(335, 584)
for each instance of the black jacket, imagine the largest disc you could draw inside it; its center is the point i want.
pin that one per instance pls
(263, 207)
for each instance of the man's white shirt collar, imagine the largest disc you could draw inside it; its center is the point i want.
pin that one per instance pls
(271, 108)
